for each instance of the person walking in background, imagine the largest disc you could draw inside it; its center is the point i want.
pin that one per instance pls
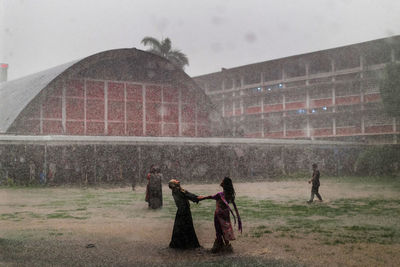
(315, 184)
(183, 234)
(222, 222)
(155, 189)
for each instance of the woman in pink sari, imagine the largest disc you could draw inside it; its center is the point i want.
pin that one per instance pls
(222, 222)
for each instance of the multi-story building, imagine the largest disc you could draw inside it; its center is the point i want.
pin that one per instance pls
(329, 94)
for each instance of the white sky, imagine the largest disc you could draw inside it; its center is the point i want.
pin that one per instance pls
(39, 34)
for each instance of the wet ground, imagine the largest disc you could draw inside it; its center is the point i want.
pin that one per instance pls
(356, 225)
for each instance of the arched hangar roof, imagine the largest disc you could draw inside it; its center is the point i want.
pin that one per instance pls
(15, 95)
(128, 64)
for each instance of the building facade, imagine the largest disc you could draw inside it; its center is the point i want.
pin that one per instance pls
(331, 94)
(123, 92)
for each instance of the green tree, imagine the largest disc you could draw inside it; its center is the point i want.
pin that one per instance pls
(390, 89)
(164, 48)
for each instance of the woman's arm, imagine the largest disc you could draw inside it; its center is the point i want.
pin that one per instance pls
(207, 197)
(204, 197)
(191, 196)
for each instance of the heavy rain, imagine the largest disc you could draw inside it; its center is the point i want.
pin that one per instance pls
(199, 133)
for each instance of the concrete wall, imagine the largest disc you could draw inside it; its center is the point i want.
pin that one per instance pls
(99, 160)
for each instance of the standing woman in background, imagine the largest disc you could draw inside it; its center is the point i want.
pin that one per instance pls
(148, 177)
(155, 189)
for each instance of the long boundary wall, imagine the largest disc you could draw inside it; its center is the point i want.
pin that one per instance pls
(126, 160)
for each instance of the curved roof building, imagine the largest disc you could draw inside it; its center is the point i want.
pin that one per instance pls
(122, 92)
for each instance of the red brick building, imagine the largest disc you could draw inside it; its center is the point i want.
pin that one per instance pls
(123, 92)
(331, 94)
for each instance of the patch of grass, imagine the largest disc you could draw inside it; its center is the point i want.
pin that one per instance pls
(64, 215)
(259, 231)
(267, 209)
(19, 216)
(56, 203)
(55, 234)
(9, 216)
(322, 219)
(283, 229)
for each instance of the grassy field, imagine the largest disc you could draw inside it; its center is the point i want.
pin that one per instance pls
(358, 224)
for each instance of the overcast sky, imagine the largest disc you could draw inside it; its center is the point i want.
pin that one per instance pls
(39, 34)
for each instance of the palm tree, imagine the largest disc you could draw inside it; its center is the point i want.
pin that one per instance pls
(163, 48)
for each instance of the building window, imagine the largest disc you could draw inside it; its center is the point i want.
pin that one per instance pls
(376, 120)
(215, 84)
(254, 126)
(347, 89)
(321, 92)
(228, 83)
(271, 99)
(321, 122)
(236, 103)
(273, 124)
(347, 58)
(378, 54)
(294, 68)
(228, 105)
(238, 82)
(319, 64)
(348, 108)
(373, 106)
(296, 123)
(252, 101)
(348, 120)
(273, 74)
(298, 95)
(252, 78)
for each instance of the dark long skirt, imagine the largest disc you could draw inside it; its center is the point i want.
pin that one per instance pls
(155, 197)
(183, 235)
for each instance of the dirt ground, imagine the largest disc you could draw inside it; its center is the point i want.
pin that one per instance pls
(133, 235)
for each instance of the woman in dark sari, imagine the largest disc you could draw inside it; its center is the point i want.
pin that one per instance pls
(222, 222)
(183, 235)
(152, 171)
(155, 189)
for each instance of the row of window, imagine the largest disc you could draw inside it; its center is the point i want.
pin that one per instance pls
(217, 82)
(292, 123)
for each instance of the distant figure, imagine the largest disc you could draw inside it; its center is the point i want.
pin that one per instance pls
(132, 172)
(155, 189)
(52, 172)
(32, 172)
(42, 177)
(222, 222)
(183, 235)
(152, 171)
(315, 184)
